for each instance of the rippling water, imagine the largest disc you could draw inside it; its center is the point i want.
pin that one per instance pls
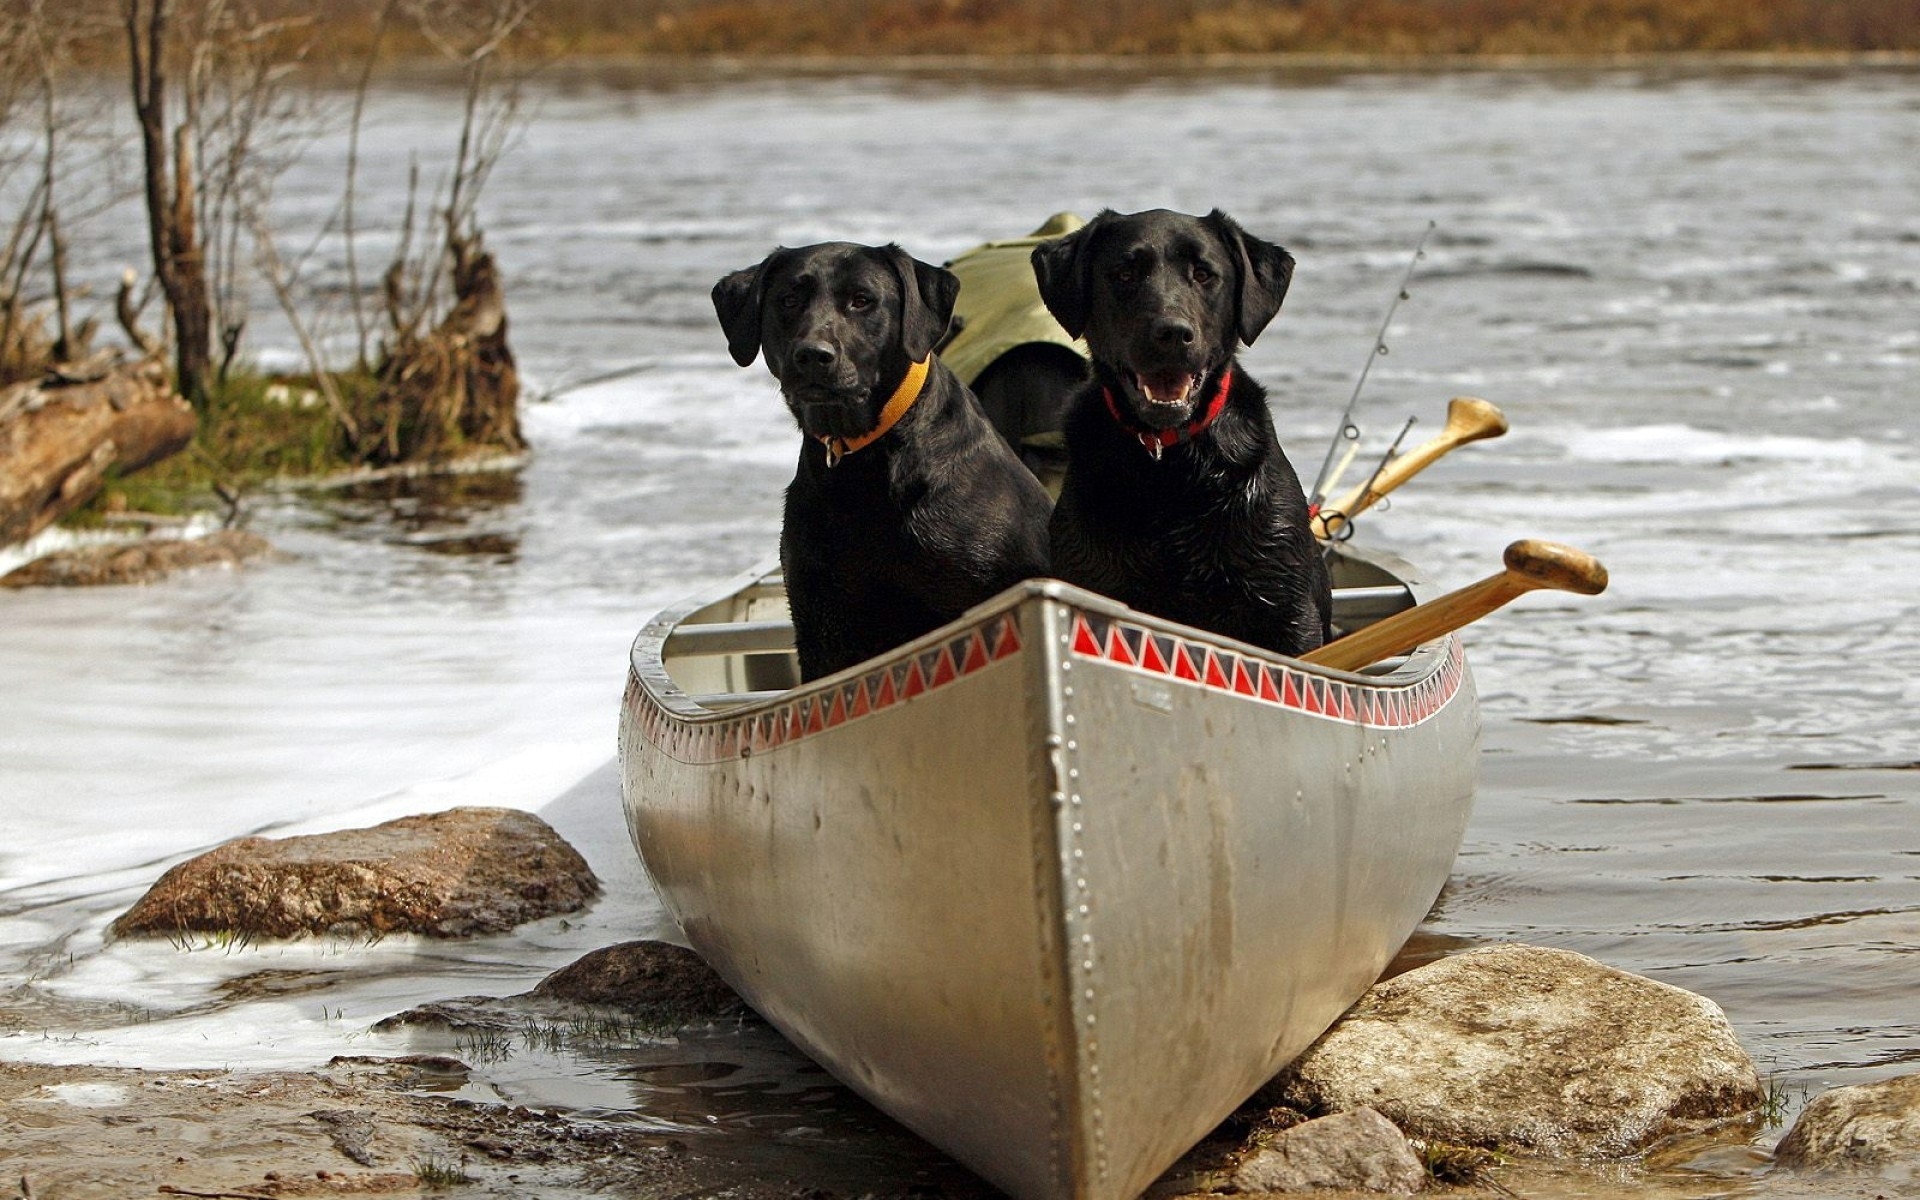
(1695, 296)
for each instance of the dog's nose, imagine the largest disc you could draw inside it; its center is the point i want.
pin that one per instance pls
(1171, 331)
(815, 355)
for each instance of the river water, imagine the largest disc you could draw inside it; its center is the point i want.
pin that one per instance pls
(1696, 296)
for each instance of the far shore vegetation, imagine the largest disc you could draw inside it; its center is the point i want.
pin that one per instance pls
(1388, 28)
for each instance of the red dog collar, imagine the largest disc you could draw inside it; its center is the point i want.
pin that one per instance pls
(1157, 440)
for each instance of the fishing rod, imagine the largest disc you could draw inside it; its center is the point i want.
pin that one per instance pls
(1339, 524)
(1348, 431)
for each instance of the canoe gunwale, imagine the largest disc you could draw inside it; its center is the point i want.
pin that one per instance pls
(648, 666)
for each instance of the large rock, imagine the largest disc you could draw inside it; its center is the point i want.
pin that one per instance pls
(1525, 1048)
(144, 561)
(1358, 1151)
(450, 874)
(1868, 1125)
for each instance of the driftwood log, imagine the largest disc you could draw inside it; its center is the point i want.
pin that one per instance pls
(62, 436)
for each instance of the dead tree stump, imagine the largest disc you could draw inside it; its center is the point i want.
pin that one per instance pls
(455, 389)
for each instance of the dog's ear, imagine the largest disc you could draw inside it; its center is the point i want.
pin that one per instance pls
(1062, 268)
(927, 294)
(737, 298)
(1265, 273)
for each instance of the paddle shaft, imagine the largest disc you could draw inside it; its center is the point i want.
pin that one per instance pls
(1469, 419)
(1529, 565)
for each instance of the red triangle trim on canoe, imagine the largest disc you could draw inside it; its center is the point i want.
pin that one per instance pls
(1150, 657)
(1009, 640)
(977, 656)
(1183, 664)
(1117, 649)
(915, 683)
(1216, 677)
(1242, 683)
(1084, 643)
(1268, 691)
(943, 672)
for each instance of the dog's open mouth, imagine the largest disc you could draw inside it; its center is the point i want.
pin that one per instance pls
(1168, 390)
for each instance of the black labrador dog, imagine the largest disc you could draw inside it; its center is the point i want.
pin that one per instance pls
(1178, 499)
(907, 507)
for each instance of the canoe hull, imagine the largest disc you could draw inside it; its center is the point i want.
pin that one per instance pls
(1059, 886)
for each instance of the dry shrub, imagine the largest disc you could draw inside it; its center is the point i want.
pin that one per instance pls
(453, 389)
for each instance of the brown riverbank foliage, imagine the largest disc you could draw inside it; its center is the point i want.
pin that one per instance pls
(1384, 27)
(339, 33)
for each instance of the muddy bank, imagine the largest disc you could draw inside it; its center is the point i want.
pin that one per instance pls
(354, 1127)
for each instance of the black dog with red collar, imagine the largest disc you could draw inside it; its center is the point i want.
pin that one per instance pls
(1179, 500)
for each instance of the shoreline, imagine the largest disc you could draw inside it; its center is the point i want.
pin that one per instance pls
(673, 70)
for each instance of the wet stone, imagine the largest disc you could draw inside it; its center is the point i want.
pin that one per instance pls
(634, 987)
(1869, 1125)
(1530, 1049)
(141, 562)
(451, 874)
(1357, 1151)
(654, 980)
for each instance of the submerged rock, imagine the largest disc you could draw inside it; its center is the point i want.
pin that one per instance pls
(1357, 1151)
(1527, 1048)
(140, 562)
(653, 980)
(450, 874)
(655, 986)
(1869, 1125)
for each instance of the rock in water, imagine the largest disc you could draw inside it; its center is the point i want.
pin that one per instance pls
(139, 562)
(657, 981)
(1358, 1151)
(1870, 1125)
(450, 874)
(656, 986)
(1527, 1048)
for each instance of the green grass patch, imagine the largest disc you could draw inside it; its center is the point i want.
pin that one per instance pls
(253, 429)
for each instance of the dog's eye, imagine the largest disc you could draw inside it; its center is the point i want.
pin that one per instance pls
(859, 302)
(790, 301)
(1203, 275)
(1127, 275)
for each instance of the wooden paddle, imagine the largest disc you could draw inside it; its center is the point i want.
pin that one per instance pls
(1469, 419)
(1530, 564)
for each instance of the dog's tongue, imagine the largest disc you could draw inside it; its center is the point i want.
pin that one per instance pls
(1169, 390)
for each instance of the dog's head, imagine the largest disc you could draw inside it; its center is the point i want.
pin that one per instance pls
(1162, 299)
(838, 324)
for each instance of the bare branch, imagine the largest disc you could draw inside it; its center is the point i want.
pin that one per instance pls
(275, 272)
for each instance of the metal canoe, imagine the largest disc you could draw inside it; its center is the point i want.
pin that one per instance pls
(1059, 885)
